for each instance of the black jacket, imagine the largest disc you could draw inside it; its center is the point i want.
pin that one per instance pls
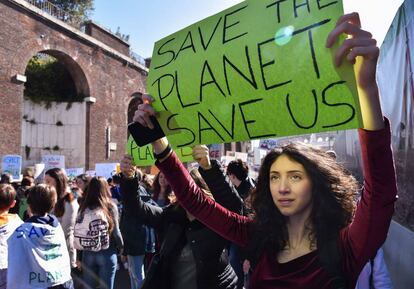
(175, 230)
(133, 230)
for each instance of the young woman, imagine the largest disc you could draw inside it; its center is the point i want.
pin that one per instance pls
(304, 233)
(191, 256)
(161, 190)
(66, 207)
(99, 267)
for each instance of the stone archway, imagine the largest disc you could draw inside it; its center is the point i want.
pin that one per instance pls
(58, 128)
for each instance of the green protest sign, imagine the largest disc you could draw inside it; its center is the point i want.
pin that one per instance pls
(259, 69)
(143, 156)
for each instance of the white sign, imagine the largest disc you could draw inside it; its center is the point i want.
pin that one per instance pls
(106, 170)
(74, 172)
(268, 144)
(259, 154)
(12, 164)
(227, 159)
(53, 161)
(91, 173)
(242, 156)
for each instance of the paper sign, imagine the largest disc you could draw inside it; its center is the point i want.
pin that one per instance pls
(91, 173)
(227, 159)
(241, 156)
(106, 170)
(258, 155)
(268, 144)
(12, 164)
(53, 161)
(143, 156)
(215, 151)
(259, 69)
(74, 172)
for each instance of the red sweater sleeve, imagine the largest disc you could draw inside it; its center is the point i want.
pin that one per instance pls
(224, 222)
(368, 231)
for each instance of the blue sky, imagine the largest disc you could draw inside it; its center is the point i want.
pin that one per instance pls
(147, 21)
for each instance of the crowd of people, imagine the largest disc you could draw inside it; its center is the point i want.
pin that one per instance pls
(298, 225)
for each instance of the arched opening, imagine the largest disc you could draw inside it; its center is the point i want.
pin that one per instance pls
(54, 120)
(54, 76)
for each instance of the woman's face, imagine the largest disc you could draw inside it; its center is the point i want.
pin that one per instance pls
(49, 181)
(162, 180)
(80, 184)
(291, 187)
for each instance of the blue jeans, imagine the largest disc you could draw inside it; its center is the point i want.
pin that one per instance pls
(136, 271)
(99, 268)
(236, 263)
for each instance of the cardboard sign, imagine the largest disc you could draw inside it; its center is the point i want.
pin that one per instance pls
(143, 156)
(259, 69)
(12, 164)
(53, 161)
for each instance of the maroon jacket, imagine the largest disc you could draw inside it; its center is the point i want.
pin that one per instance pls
(358, 242)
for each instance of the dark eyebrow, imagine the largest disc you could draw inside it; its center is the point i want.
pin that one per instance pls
(289, 172)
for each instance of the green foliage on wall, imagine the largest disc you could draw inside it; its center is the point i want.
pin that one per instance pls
(48, 80)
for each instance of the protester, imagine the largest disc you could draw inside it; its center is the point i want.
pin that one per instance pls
(82, 182)
(97, 223)
(66, 207)
(115, 190)
(375, 274)
(6, 178)
(8, 223)
(304, 233)
(135, 236)
(161, 190)
(25, 184)
(38, 257)
(191, 255)
(238, 173)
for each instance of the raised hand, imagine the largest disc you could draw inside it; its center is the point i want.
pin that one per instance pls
(144, 111)
(360, 49)
(202, 156)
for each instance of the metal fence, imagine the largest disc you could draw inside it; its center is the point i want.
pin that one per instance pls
(137, 57)
(51, 9)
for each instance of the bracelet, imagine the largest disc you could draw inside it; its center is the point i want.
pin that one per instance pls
(163, 154)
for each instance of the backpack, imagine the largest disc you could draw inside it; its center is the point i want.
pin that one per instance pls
(91, 231)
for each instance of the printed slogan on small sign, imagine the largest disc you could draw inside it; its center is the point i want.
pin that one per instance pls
(259, 69)
(143, 156)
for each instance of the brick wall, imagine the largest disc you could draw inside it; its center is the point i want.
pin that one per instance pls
(106, 37)
(99, 74)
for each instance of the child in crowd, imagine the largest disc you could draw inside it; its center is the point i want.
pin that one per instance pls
(38, 257)
(8, 223)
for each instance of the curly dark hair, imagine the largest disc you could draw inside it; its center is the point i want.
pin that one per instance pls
(333, 195)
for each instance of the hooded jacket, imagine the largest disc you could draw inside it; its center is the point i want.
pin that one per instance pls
(38, 257)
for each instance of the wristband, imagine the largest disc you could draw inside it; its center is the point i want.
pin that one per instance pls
(163, 154)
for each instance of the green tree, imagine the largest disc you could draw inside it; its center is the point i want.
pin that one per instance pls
(78, 10)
